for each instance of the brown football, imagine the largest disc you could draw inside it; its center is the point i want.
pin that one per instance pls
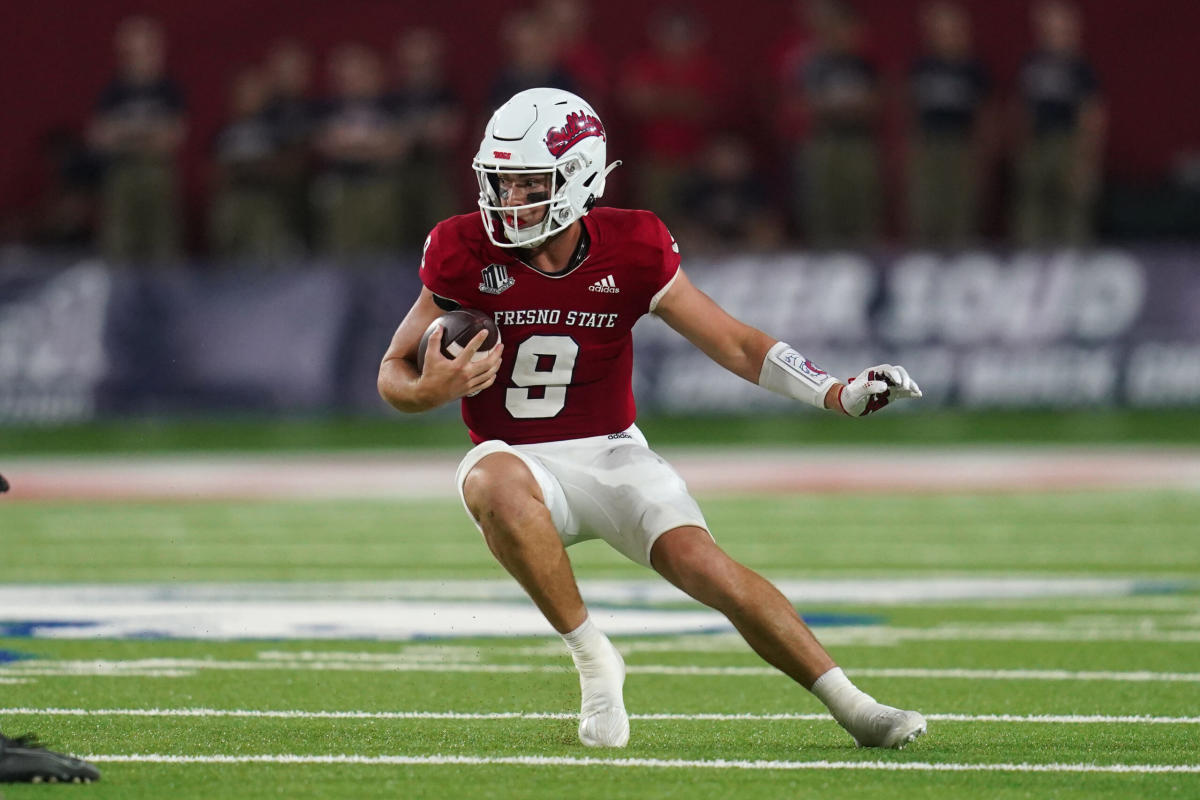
(460, 326)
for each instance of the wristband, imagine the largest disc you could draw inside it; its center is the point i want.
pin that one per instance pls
(788, 373)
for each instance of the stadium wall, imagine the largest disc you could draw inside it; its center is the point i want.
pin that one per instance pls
(1112, 328)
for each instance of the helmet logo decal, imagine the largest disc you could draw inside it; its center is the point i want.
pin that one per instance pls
(501, 154)
(579, 126)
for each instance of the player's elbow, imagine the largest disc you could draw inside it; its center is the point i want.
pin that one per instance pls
(396, 392)
(383, 386)
(399, 401)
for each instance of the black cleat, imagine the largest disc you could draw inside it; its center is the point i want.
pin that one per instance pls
(24, 760)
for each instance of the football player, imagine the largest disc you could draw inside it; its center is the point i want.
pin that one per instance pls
(558, 458)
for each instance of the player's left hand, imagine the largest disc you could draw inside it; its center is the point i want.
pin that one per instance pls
(875, 387)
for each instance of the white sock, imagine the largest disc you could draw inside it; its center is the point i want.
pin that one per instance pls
(872, 724)
(840, 696)
(584, 638)
(602, 718)
(601, 669)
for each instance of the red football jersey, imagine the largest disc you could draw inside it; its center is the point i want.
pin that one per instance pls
(567, 368)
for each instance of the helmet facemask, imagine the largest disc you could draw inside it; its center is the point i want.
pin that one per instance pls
(501, 220)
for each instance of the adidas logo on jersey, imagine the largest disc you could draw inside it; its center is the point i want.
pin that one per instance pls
(606, 285)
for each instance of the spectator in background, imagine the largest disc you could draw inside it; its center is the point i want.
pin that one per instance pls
(842, 190)
(430, 119)
(1060, 130)
(673, 95)
(948, 92)
(66, 213)
(530, 59)
(726, 202)
(293, 115)
(579, 54)
(786, 104)
(249, 216)
(138, 129)
(358, 143)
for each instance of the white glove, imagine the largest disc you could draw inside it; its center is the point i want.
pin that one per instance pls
(874, 388)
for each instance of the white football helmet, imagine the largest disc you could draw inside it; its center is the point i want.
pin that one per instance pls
(546, 131)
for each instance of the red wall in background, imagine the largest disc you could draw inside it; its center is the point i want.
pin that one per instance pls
(55, 55)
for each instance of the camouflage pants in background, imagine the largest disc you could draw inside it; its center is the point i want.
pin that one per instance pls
(943, 200)
(357, 215)
(1054, 194)
(424, 196)
(252, 223)
(842, 200)
(139, 216)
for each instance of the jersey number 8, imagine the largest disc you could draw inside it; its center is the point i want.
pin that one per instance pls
(545, 363)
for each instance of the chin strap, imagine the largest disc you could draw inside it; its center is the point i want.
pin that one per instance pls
(591, 201)
(604, 177)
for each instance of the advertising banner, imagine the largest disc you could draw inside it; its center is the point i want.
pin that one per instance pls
(1117, 327)
(976, 330)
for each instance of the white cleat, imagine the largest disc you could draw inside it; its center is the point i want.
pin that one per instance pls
(602, 718)
(884, 726)
(606, 728)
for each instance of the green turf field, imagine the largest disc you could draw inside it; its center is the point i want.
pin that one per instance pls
(1072, 697)
(443, 428)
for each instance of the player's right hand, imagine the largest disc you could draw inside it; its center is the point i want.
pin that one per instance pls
(467, 374)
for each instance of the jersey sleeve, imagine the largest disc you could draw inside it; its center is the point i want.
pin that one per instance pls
(667, 266)
(437, 266)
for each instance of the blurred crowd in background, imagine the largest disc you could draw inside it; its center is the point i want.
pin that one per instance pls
(362, 154)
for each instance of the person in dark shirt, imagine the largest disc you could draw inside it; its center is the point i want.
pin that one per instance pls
(842, 200)
(726, 202)
(249, 214)
(292, 113)
(948, 95)
(138, 128)
(358, 142)
(429, 116)
(526, 61)
(1060, 131)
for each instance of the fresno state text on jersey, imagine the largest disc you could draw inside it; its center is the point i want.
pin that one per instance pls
(567, 368)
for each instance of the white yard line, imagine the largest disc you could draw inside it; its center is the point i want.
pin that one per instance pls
(858, 589)
(1140, 676)
(1049, 719)
(403, 611)
(652, 763)
(174, 667)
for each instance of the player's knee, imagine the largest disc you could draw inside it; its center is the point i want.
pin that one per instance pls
(514, 526)
(484, 484)
(499, 495)
(486, 496)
